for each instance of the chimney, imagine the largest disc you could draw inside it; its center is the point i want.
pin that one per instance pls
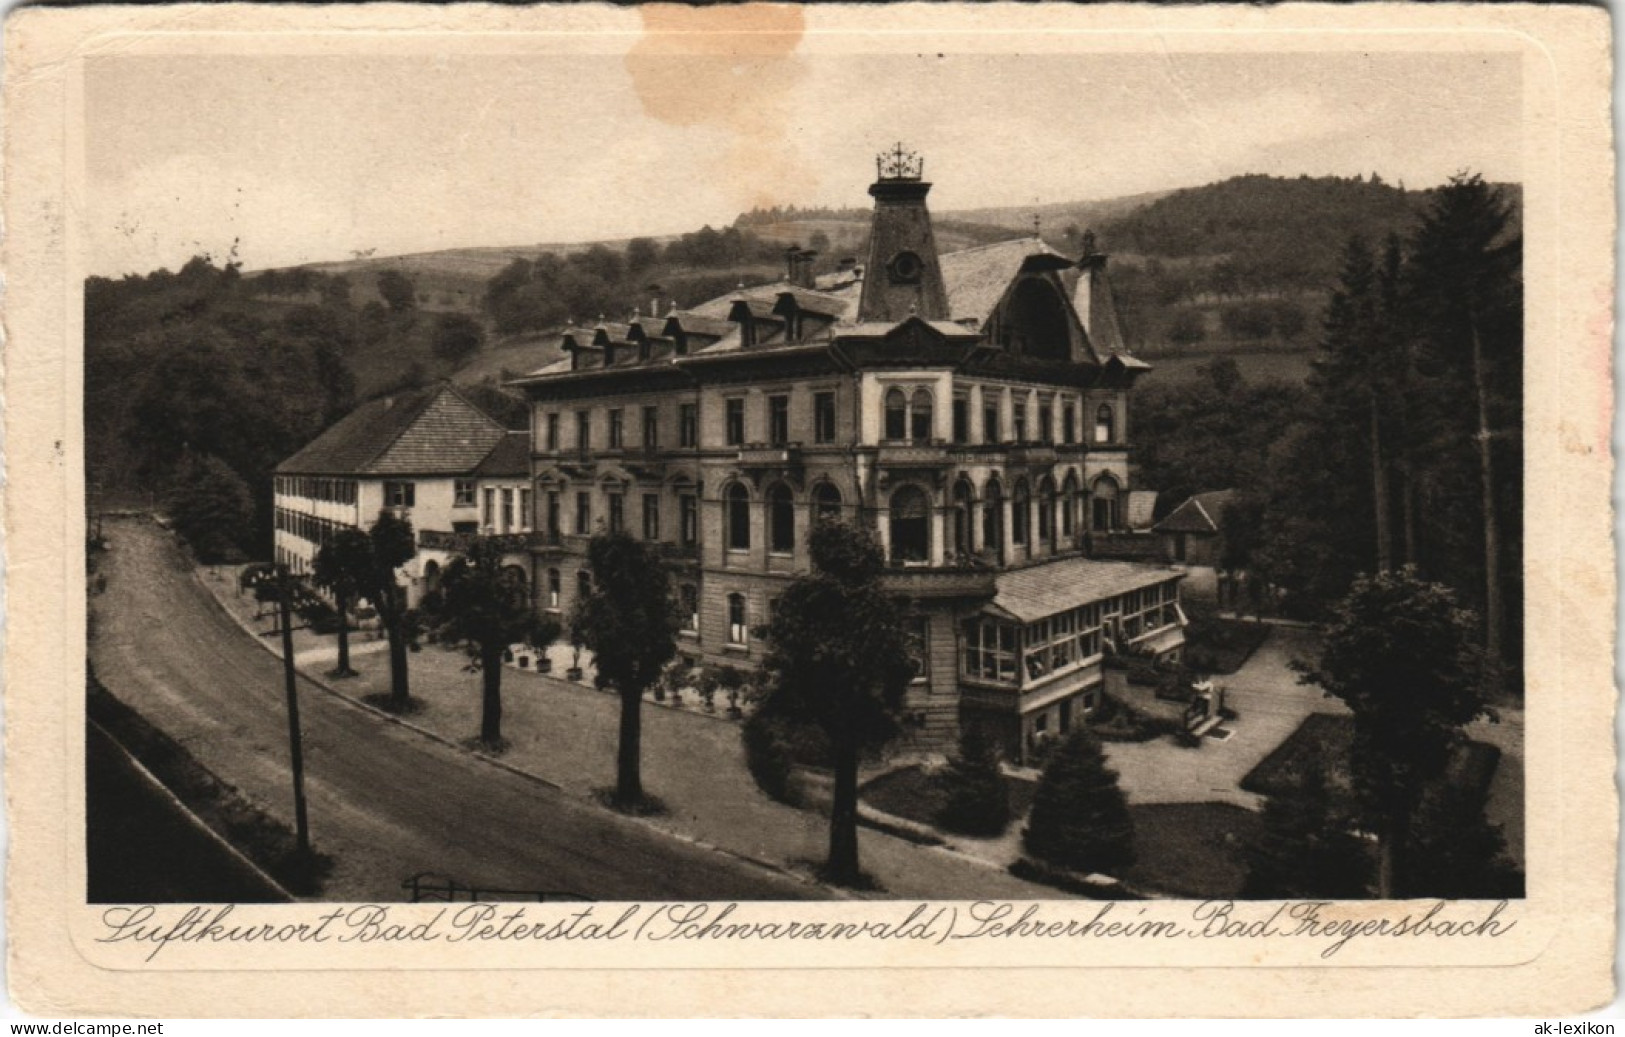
(1093, 301)
(802, 272)
(904, 276)
(792, 263)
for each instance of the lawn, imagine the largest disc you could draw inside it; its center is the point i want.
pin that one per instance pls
(1329, 737)
(913, 793)
(1196, 850)
(1221, 646)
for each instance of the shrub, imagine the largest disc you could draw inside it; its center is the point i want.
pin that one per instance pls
(977, 802)
(1116, 721)
(769, 758)
(1080, 819)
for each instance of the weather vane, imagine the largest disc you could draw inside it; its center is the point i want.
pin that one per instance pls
(898, 164)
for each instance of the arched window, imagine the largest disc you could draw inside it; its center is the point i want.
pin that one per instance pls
(781, 512)
(431, 576)
(826, 502)
(919, 418)
(993, 519)
(910, 525)
(896, 414)
(737, 504)
(513, 575)
(553, 588)
(1020, 502)
(736, 619)
(1069, 504)
(689, 596)
(1106, 515)
(1046, 512)
(583, 584)
(963, 504)
(1105, 424)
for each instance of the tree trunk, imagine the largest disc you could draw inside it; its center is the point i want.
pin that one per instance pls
(1390, 854)
(843, 816)
(1379, 493)
(628, 774)
(1492, 524)
(1407, 508)
(491, 698)
(343, 668)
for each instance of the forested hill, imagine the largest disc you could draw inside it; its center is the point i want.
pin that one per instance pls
(1279, 233)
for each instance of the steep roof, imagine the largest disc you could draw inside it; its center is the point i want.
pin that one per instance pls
(1202, 513)
(433, 430)
(509, 458)
(1033, 593)
(976, 278)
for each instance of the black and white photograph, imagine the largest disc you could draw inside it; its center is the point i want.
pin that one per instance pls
(644, 472)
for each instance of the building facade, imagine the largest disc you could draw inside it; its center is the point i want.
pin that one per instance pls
(429, 455)
(972, 408)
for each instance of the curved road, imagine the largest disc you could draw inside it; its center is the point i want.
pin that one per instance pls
(384, 801)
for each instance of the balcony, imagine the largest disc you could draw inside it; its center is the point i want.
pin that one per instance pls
(939, 582)
(508, 543)
(920, 454)
(762, 455)
(1031, 453)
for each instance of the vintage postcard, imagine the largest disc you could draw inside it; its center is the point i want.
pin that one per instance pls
(1020, 510)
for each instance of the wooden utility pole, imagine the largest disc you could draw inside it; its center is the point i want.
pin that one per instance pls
(295, 746)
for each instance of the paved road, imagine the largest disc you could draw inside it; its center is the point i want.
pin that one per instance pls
(385, 802)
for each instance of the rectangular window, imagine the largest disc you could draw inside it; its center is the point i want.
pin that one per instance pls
(1019, 414)
(736, 422)
(961, 420)
(553, 431)
(651, 428)
(688, 424)
(919, 640)
(1069, 423)
(617, 513)
(824, 417)
(400, 494)
(990, 423)
(553, 512)
(583, 513)
(1046, 422)
(690, 512)
(463, 493)
(553, 588)
(507, 511)
(523, 518)
(690, 607)
(651, 516)
(583, 432)
(489, 517)
(736, 619)
(778, 420)
(616, 429)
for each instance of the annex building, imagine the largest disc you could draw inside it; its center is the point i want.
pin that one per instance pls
(428, 454)
(972, 408)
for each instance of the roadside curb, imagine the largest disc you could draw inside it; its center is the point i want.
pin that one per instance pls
(647, 823)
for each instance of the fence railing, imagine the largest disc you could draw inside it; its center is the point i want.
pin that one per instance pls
(429, 888)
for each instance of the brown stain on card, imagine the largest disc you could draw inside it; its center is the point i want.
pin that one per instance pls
(733, 69)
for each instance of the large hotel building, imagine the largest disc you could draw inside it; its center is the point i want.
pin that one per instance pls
(972, 408)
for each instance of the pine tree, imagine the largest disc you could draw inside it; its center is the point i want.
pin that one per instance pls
(1306, 850)
(977, 801)
(1080, 819)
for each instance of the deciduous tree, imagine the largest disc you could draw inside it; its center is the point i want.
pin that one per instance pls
(483, 607)
(393, 545)
(629, 624)
(838, 657)
(1400, 653)
(343, 566)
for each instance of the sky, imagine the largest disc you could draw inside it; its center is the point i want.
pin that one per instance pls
(311, 158)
